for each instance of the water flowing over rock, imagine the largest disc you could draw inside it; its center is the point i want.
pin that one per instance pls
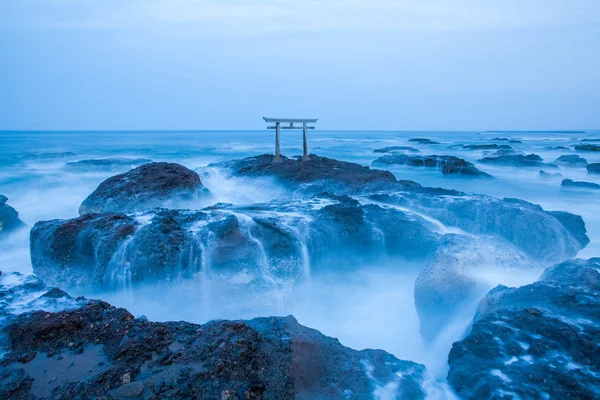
(536, 341)
(449, 165)
(572, 160)
(9, 218)
(106, 164)
(148, 186)
(550, 175)
(493, 146)
(392, 149)
(593, 168)
(101, 351)
(569, 183)
(587, 147)
(423, 141)
(517, 160)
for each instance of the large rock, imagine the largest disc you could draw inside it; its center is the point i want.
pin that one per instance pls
(106, 164)
(9, 218)
(99, 351)
(392, 149)
(517, 160)
(536, 341)
(572, 160)
(449, 165)
(550, 175)
(493, 146)
(150, 185)
(423, 141)
(593, 168)
(587, 147)
(569, 183)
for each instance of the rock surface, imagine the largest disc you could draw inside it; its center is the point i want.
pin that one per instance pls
(593, 168)
(148, 186)
(99, 351)
(493, 146)
(549, 175)
(105, 164)
(568, 183)
(391, 149)
(517, 160)
(449, 165)
(536, 341)
(9, 218)
(423, 141)
(587, 147)
(571, 161)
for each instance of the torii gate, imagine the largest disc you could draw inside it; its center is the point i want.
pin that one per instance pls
(291, 121)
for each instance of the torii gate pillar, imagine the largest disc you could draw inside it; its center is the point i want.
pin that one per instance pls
(291, 121)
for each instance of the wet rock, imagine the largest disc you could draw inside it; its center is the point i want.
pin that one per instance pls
(493, 146)
(423, 141)
(587, 147)
(517, 160)
(9, 218)
(555, 148)
(549, 175)
(571, 161)
(536, 341)
(449, 165)
(264, 358)
(593, 168)
(392, 149)
(105, 164)
(568, 183)
(148, 186)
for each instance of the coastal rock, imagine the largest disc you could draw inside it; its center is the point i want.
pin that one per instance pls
(536, 341)
(9, 218)
(449, 165)
(105, 164)
(148, 186)
(555, 148)
(423, 141)
(263, 358)
(517, 160)
(587, 147)
(391, 149)
(493, 146)
(549, 175)
(568, 183)
(571, 161)
(593, 168)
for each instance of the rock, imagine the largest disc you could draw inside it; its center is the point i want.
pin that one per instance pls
(391, 149)
(549, 175)
(591, 140)
(536, 341)
(148, 186)
(593, 168)
(487, 147)
(587, 147)
(423, 141)
(449, 165)
(106, 164)
(270, 358)
(555, 148)
(131, 390)
(9, 218)
(568, 183)
(517, 160)
(571, 161)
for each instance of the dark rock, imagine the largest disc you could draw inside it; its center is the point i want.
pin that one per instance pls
(493, 146)
(591, 140)
(587, 147)
(549, 175)
(423, 141)
(571, 161)
(148, 186)
(517, 160)
(568, 183)
(515, 141)
(9, 218)
(391, 149)
(449, 165)
(536, 341)
(555, 148)
(593, 168)
(264, 358)
(106, 164)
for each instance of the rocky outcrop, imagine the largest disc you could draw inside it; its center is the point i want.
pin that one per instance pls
(571, 161)
(570, 184)
(99, 351)
(423, 141)
(549, 175)
(9, 218)
(48, 156)
(593, 168)
(493, 146)
(517, 160)
(148, 186)
(536, 341)
(392, 149)
(587, 147)
(106, 164)
(449, 165)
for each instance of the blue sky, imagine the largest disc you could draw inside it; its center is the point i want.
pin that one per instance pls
(355, 64)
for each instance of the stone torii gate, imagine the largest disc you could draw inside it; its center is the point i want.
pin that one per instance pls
(291, 122)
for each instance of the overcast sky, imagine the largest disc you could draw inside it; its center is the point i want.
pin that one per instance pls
(355, 64)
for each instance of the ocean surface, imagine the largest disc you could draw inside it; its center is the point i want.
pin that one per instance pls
(372, 308)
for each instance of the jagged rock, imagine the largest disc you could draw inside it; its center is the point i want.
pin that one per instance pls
(536, 341)
(423, 141)
(593, 168)
(391, 149)
(148, 186)
(549, 175)
(9, 218)
(517, 160)
(571, 161)
(587, 147)
(568, 183)
(493, 146)
(449, 165)
(106, 164)
(263, 358)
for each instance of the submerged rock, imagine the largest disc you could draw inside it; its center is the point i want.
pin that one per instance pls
(9, 218)
(571, 161)
(391, 149)
(549, 175)
(555, 148)
(423, 141)
(493, 146)
(449, 165)
(105, 164)
(568, 183)
(536, 341)
(587, 147)
(517, 160)
(101, 351)
(148, 186)
(593, 168)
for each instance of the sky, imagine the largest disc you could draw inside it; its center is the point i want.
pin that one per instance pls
(354, 64)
